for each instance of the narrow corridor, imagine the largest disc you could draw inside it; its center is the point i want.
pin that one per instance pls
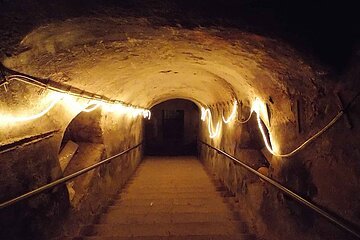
(169, 119)
(168, 198)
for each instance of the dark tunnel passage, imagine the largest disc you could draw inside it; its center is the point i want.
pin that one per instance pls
(174, 120)
(173, 129)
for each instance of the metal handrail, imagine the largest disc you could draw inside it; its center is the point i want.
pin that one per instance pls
(330, 217)
(64, 179)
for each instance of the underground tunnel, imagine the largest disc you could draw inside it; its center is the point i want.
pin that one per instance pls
(172, 129)
(178, 120)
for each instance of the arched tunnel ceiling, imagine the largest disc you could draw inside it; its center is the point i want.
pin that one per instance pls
(131, 60)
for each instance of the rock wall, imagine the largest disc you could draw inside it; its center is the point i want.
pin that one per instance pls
(148, 60)
(29, 159)
(325, 172)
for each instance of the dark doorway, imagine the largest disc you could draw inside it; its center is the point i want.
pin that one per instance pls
(172, 129)
(173, 125)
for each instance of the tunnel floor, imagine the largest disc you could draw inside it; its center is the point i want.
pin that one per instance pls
(169, 198)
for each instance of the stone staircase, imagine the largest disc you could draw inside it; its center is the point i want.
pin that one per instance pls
(168, 198)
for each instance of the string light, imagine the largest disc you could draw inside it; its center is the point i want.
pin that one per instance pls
(13, 119)
(257, 108)
(260, 109)
(94, 106)
(72, 99)
(262, 130)
(207, 113)
(123, 109)
(77, 107)
(232, 115)
(216, 132)
(301, 146)
(204, 112)
(248, 119)
(147, 114)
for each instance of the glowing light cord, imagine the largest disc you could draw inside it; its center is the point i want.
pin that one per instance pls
(112, 106)
(122, 109)
(245, 121)
(212, 133)
(334, 120)
(10, 118)
(95, 106)
(232, 115)
(259, 108)
(147, 114)
(262, 130)
(207, 113)
(204, 112)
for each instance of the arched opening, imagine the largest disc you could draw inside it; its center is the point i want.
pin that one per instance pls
(173, 128)
(138, 59)
(82, 145)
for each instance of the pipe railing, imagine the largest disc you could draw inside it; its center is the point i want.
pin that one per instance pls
(330, 217)
(64, 179)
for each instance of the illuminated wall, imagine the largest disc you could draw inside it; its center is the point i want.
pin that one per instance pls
(130, 60)
(310, 167)
(29, 159)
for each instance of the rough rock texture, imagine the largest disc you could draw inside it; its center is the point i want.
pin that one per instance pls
(130, 53)
(138, 61)
(85, 127)
(27, 165)
(325, 172)
(25, 169)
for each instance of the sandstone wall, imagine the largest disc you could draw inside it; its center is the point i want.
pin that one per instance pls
(325, 172)
(29, 159)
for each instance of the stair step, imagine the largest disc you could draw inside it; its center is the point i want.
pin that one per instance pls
(167, 209)
(177, 192)
(161, 229)
(188, 237)
(156, 217)
(170, 201)
(169, 195)
(177, 184)
(170, 189)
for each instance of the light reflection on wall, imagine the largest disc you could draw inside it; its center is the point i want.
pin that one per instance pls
(262, 116)
(232, 115)
(52, 99)
(74, 105)
(258, 107)
(207, 113)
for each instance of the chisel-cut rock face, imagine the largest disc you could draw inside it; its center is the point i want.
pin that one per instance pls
(222, 56)
(135, 61)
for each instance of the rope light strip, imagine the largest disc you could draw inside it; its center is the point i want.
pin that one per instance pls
(232, 115)
(94, 106)
(10, 118)
(257, 108)
(207, 113)
(96, 100)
